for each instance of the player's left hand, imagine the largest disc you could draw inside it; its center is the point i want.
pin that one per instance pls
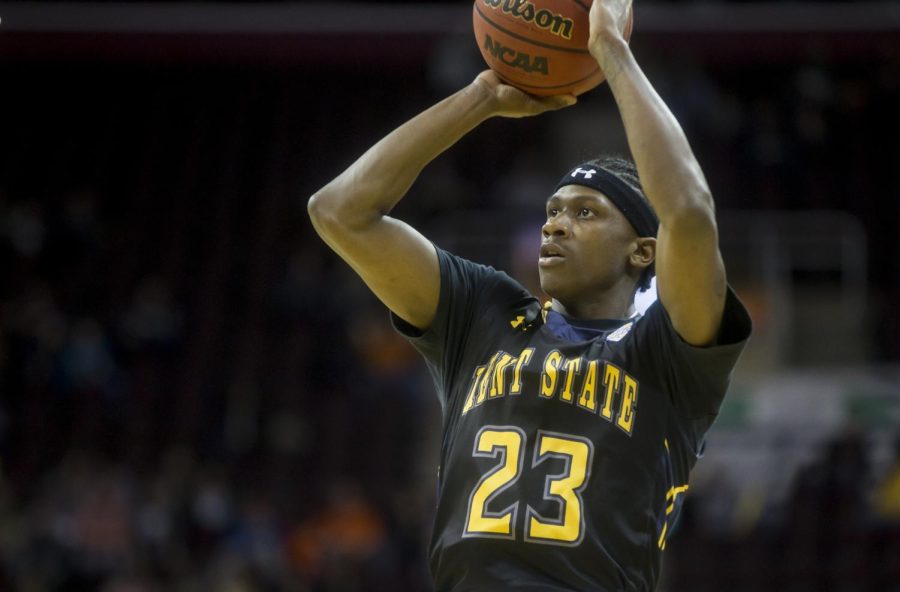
(509, 101)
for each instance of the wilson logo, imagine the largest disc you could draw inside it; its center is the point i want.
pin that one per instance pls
(525, 11)
(516, 59)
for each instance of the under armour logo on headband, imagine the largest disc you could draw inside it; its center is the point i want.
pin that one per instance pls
(633, 206)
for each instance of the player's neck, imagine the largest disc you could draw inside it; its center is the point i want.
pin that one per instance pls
(612, 304)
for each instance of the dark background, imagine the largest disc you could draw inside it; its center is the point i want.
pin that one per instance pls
(195, 394)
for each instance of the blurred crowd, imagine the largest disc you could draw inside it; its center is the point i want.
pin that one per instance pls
(837, 530)
(102, 489)
(171, 417)
(195, 395)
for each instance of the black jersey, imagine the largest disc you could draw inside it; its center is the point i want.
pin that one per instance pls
(564, 458)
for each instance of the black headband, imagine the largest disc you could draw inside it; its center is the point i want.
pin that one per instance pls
(635, 208)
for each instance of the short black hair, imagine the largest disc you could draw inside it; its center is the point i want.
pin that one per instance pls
(626, 170)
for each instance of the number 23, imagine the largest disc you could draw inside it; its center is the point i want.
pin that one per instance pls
(508, 444)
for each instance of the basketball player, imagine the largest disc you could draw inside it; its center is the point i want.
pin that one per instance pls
(569, 430)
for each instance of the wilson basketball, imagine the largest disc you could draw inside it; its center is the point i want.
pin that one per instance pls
(539, 46)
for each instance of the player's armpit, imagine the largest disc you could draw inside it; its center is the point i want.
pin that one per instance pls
(395, 260)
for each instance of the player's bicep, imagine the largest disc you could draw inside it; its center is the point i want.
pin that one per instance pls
(398, 264)
(691, 277)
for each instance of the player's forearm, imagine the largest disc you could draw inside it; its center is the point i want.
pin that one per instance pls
(669, 172)
(380, 178)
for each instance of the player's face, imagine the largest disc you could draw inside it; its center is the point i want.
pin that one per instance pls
(586, 245)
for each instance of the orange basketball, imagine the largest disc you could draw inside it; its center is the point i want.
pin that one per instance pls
(539, 46)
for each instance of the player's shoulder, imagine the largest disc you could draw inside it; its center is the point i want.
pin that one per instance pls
(734, 329)
(481, 278)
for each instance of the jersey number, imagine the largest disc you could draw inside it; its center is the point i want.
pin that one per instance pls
(507, 443)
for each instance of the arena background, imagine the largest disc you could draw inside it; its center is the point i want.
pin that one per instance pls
(196, 395)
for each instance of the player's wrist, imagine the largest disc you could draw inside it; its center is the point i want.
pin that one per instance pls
(483, 92)
(611, 51)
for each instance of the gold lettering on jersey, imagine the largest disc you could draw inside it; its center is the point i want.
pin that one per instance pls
(588, 398)
(486, 379)
(611, 376)
(497, 380)
(572, 367)
(550, 374)
(470, 398)
(492, 380)
(595, 386)
(626, 409)
(523, 360)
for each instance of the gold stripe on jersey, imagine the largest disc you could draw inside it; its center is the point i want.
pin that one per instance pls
(671, 496)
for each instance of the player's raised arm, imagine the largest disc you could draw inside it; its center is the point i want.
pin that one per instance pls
(351, 212)
(689, 269)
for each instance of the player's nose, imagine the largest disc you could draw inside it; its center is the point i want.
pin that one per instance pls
(558, 226)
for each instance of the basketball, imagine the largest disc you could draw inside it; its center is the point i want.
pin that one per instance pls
(539, 46)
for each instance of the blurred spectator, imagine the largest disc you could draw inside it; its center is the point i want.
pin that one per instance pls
(152, 320)
(86, 360)
(886, 495)
(336, 548)
(25, 228)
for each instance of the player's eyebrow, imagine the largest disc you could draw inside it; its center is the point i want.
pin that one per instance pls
(578, 198)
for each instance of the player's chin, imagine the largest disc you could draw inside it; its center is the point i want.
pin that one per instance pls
(553, 281)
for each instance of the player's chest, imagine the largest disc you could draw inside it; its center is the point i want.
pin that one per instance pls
(588, 384)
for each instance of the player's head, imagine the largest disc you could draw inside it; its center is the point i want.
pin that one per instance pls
(602, 229)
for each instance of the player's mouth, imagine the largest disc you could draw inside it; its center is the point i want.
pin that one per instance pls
(551, 254)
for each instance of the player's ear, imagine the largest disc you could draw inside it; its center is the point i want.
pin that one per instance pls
(643, 253)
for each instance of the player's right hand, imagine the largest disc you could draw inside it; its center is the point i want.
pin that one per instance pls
(509, 101)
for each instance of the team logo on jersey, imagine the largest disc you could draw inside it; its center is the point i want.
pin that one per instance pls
(524, 322)
(620, 333)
